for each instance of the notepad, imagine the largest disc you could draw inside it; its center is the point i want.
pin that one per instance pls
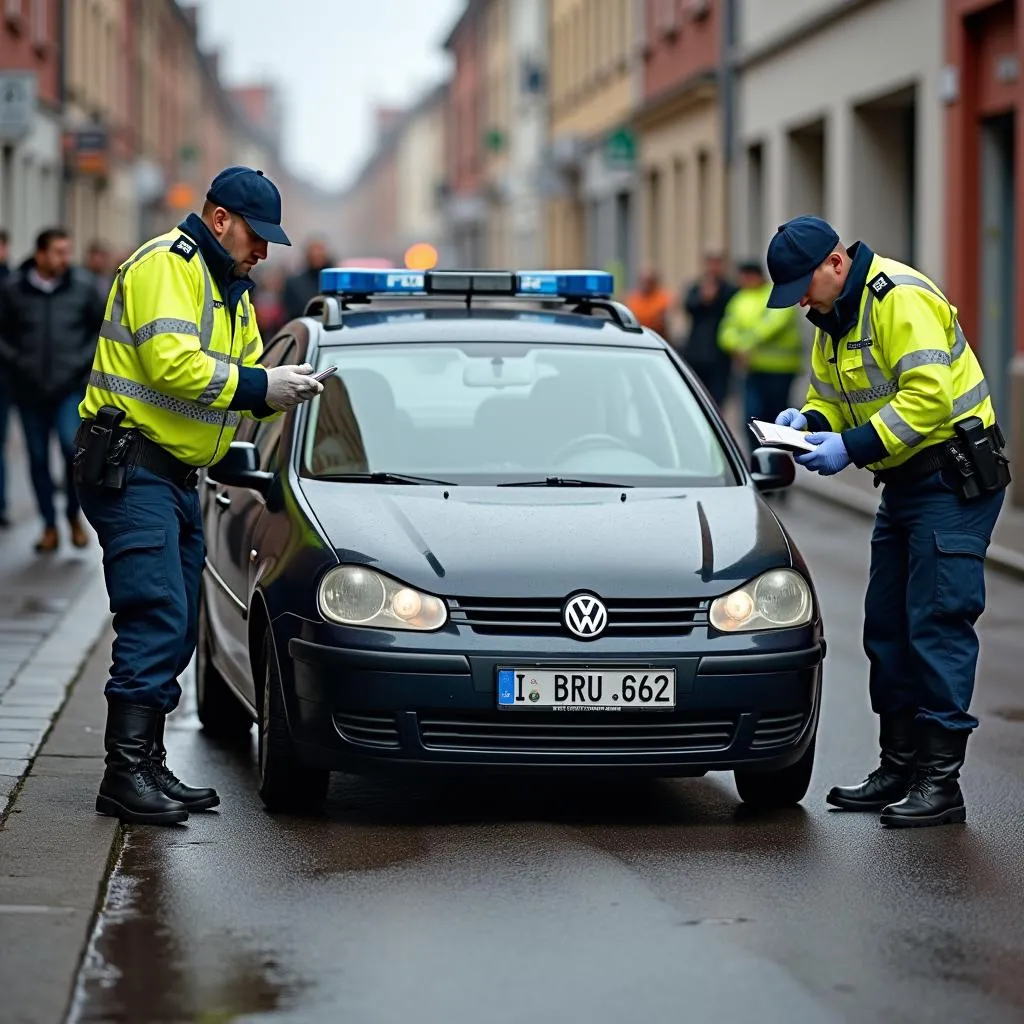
(771, 435)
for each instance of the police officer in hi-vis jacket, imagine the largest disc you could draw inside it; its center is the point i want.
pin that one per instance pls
(176, 367)
(895, 388)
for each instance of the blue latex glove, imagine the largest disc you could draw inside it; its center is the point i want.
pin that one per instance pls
(792, 418)
(831, 455)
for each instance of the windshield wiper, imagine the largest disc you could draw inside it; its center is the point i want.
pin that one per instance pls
(562, 481)
(384, 477)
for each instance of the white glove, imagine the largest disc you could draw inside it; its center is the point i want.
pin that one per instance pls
(792, 418)
(289, 386)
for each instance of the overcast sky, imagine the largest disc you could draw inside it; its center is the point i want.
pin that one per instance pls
(334, 60)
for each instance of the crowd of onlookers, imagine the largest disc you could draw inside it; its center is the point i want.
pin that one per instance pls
(723, 328)
(51, 311)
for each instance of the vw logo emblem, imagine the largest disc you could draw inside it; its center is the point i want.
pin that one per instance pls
(585, 616)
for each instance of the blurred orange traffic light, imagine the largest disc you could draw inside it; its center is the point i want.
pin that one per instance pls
(421, 256)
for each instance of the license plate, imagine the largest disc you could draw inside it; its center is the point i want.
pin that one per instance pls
(567, 690)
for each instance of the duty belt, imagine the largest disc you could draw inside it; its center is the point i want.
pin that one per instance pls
(149, 455)
(930, 460)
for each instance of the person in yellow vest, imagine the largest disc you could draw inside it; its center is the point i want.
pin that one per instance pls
(895, 387)
(175, 369)
(765, 342)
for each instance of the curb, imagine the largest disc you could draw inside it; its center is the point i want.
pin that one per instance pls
(1000, 558)
(58, 855)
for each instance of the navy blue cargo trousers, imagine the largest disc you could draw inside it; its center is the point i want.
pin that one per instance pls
(153, 550)
(926, 590)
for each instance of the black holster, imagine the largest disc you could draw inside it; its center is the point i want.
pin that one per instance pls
(102, 449)
(975, 457)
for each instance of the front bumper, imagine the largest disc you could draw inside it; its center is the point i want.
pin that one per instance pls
(368, 710)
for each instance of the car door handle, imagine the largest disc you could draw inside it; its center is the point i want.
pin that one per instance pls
(223, 500)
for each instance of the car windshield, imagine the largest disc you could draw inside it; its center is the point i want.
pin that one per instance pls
(510, 413)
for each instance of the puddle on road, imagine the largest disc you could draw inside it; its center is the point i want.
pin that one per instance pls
(136, 970)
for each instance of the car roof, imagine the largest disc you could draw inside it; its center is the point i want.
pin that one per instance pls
(409, 323)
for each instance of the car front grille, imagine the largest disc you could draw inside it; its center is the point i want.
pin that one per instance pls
(626, 617)
(368, 729)
(777, 730)
(557, 733)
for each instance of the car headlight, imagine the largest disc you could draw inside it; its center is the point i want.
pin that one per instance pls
(356, 595)
(775, 600)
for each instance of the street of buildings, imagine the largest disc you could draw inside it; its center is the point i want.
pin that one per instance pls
(624, 133)
(113, 122)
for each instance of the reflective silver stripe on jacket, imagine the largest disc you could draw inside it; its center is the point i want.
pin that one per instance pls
(861, 396)
(221, 375)
(114, 330)
(910, 437)
(823, 387)
(165, 325)
(179, 406)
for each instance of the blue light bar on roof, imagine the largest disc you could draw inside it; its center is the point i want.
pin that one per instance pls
(566, 284)
(555, 284)
(349, 281)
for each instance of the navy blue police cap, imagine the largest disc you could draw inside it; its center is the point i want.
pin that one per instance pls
(254, 197)
(799, 247)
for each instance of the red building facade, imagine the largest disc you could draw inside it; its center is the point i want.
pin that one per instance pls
(984, 90)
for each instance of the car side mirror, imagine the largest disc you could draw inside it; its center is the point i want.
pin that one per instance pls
(772, 469)
(240, 467)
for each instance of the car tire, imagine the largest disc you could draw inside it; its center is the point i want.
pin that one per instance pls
(783, 788)
(286, 783)
(221, 713)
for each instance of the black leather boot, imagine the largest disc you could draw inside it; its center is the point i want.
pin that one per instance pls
(889, 782)
(934, 797)
(129, 789)
(194, 799)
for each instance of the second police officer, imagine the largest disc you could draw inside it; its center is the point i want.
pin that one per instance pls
(895, 387)
(176, 367)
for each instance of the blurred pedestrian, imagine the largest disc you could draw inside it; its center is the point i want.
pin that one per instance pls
(305, 285)
(5, 392)
(268, 301)
(97, 262)
(177, 365)
(50, 313)
(764, 343)
(895, 387)
(651, 303)
(705, 302)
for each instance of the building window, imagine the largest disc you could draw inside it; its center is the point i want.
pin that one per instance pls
(13, 14)
(39, 24)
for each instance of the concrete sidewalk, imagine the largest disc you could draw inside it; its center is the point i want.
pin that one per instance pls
(52, 609)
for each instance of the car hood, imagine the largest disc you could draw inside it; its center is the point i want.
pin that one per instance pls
(535, 542)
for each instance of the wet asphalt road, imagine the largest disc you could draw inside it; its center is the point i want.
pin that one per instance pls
(655, 901)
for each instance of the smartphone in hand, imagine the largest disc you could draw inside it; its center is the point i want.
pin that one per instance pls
(324, 374)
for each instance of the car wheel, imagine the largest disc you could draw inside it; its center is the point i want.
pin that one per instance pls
(286, 784)
(784, 788)
(222, 714)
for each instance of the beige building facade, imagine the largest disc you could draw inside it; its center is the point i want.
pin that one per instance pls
(593, 62)
(420, 173)
(100, 191)
(497, 129)
(840, 115)
(683, 187)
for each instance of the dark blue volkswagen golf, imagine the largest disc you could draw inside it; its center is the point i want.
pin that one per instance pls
(513, 533)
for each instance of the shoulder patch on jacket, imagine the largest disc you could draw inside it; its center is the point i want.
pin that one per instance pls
(184, 247)
(881, 284)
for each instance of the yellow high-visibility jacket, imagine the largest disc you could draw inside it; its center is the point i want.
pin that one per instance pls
(905, 368)
(770, 337)
(168, 353)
